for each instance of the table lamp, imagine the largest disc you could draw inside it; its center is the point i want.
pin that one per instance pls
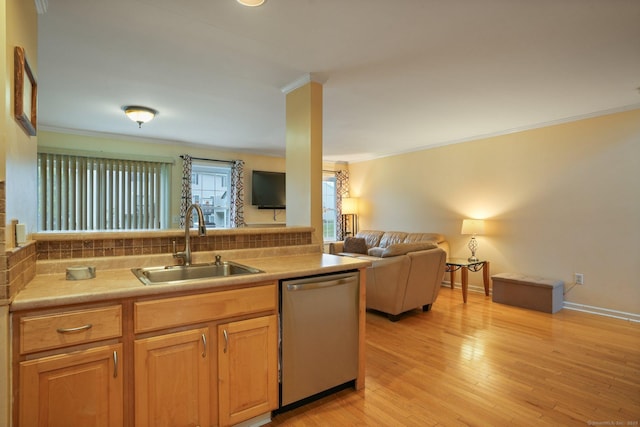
(473, 227)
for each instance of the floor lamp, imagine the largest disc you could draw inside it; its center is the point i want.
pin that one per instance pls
(349, 216)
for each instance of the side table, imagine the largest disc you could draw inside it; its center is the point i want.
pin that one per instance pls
(455, 264)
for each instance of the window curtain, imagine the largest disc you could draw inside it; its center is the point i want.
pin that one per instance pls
(342, 190)
(185, 198)
(237, 193)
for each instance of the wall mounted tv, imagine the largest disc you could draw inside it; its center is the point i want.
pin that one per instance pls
(268, 190)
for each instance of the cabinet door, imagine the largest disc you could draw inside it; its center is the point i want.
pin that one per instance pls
(76, 389)
(247, 369)
(172, 379)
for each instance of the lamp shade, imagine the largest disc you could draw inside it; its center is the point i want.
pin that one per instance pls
(349, 206)
(472, 226)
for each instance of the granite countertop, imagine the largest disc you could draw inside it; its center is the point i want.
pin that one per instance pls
(51, 290)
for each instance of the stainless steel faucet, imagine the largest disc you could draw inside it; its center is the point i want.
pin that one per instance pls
(202, 231)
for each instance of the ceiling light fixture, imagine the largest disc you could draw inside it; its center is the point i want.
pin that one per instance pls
(251, 3)
(139, 114)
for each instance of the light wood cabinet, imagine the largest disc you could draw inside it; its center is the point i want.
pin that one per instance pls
(172, 379)
(149, 362)
(63, 329)
(64, 376)
(247, 368)
(238, 378)
(77, 389)
(165, 313)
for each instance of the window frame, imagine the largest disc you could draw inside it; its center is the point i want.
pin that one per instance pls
(201, 168)
(329, 212)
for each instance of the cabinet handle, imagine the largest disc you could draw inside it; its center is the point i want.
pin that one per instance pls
(226, 340)
(77, 329)
(204, 344)
(115, 364)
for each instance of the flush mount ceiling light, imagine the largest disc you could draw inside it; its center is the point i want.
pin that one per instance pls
(139, 114)
(251, 3)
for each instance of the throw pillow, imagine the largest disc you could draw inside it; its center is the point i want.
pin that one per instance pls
(355, 245)
(404, 248)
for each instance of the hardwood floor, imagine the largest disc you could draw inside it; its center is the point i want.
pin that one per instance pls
(484, 363)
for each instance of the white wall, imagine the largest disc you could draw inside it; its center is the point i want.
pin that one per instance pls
(558, 200)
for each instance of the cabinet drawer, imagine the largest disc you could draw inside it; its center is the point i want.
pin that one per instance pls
(180, 311)
(69, 328)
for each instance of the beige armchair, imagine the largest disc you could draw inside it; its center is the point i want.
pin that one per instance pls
(406, 269)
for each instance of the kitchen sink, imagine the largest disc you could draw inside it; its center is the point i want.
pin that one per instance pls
(181, 273)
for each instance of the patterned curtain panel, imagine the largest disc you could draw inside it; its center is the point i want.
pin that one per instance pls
(185, 198)
(237, 194)
(342, 190)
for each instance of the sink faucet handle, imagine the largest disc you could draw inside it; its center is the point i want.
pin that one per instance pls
(218, 260)
(176, 254)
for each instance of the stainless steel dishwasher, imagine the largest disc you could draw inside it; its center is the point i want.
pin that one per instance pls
(319, 348)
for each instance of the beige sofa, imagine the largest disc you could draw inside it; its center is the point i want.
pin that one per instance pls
(406, 269)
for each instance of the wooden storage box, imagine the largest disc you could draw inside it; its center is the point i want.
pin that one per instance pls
(535, 293)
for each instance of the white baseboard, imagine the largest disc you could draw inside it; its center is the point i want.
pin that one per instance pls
(471, 288)
(631, 317)
(600, 311)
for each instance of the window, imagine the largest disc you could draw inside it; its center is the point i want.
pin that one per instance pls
(90, 193)
(211, 189)
(329, 228)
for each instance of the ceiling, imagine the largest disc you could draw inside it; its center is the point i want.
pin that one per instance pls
(398, 75)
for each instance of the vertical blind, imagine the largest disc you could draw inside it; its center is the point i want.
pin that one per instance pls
(87, 193)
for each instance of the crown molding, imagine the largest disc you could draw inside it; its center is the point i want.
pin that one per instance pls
(303, 80)
(374, 156)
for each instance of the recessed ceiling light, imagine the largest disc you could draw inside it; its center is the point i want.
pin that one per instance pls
(251, 3)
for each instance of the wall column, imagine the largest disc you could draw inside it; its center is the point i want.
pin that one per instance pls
(304, 157)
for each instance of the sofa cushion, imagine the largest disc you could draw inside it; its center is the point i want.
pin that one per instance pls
(377, 251)
(391, 237)
(372, 237)
(424, 237)
(356, 245)
(404, 248)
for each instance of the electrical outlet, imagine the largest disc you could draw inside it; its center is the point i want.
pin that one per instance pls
(578, 278)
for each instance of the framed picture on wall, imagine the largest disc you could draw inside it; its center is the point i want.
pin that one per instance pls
(25, 93)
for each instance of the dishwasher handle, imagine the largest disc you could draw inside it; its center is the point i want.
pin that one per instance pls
(322, 284)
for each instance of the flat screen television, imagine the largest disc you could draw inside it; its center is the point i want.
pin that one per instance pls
(268, 190)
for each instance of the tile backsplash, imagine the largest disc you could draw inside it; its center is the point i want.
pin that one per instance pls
(55, 249)
(21, 267)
